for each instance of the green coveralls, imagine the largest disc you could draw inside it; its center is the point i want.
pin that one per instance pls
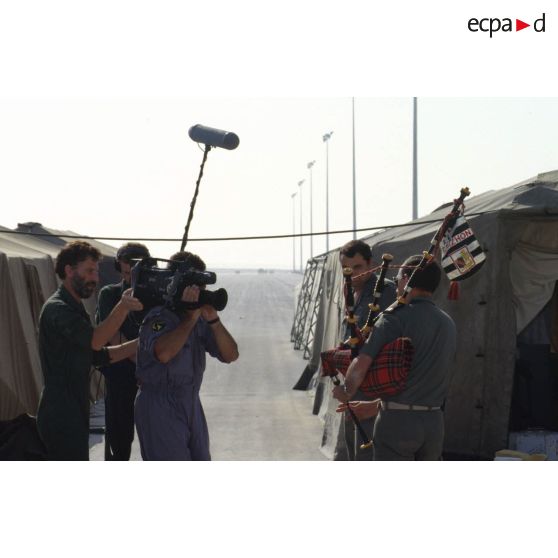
(65, 334)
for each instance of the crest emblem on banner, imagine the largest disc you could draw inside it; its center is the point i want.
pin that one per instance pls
(462, 254)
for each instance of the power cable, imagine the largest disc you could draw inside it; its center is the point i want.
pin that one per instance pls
(261, 237)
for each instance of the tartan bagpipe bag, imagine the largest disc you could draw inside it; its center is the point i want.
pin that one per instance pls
(387, 374)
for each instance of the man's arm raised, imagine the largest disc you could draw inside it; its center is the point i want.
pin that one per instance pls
(169, 344)
(110, 326)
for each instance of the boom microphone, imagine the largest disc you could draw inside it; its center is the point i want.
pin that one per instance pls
(213, 137)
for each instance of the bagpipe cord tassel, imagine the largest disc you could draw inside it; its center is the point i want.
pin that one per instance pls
(453, 293)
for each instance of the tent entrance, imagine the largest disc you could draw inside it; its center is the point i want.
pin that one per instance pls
(534, 277)
(534, 402)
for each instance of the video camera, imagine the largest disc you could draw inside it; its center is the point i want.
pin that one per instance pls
(155, 286)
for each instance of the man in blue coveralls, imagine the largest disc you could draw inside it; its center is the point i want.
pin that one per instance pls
(169, 416)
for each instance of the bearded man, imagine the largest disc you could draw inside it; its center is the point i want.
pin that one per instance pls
(69, 345)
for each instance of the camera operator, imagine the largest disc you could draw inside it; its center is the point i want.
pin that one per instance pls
(120, 377)
(170, 364)
(69, 345)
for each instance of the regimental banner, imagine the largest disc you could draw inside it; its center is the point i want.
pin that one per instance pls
(462, 255)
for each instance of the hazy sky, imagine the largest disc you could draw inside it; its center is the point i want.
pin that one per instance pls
(127, 168)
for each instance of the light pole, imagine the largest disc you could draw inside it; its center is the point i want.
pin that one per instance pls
(292, 198)
(415, 183)
(326, 138)
(309, 167)
(300, 183)
(354, 175)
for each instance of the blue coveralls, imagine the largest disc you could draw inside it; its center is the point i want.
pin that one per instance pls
(169, 416)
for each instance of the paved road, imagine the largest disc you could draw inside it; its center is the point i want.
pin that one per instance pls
(252, 411)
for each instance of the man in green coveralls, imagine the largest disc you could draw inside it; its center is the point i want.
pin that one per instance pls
(69, 345)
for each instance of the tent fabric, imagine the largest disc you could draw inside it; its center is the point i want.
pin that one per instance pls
(18, 385)
(327, 335)
(58, 238)
(533, 275)
(33, 246)
(554, 322)
(516, 228)
(28, 279)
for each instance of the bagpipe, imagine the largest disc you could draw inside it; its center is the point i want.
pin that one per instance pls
(461, 257)
(349, 350)
(374, 306)
(386, 375)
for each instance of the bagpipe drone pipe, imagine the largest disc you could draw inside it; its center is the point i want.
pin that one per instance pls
(349, 349)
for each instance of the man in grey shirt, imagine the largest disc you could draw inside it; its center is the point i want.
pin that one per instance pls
(409, 425)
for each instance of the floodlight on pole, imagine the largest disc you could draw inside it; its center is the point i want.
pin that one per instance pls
(300, 183)
(309, 167)
(326, 138)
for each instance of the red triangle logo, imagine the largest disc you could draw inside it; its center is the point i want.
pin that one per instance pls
(519, 25)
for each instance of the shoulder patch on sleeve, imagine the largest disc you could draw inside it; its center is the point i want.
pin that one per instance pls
(158, 325)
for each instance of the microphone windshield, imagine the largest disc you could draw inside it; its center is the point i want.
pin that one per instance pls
(213, 137)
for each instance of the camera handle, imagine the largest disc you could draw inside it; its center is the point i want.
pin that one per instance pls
(172, 289)
(193, 202)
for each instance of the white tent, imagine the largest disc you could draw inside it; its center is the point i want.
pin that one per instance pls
(27, 279)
